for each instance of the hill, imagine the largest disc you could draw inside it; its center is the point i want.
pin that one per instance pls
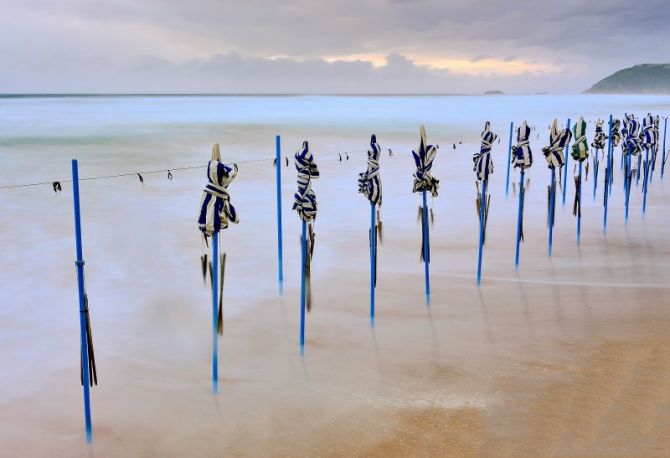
(640, 79)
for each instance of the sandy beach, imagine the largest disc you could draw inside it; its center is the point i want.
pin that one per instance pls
(567, 357)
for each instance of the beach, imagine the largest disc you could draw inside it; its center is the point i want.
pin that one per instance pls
(568, 356)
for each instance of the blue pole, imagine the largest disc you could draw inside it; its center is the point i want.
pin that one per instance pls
(596, 165)
(373, 263)
(625, 115)
(608, 172)
(665, 128)
(303, 250)
(82, 302)
(425, 247)
(280, 253)
(579, 208)
(215, 301)
(509, 157)
(482, 220)
(639, 167)
(518, 223)
(645, 183)
(627, 182)
(552, 205)
(565, 172)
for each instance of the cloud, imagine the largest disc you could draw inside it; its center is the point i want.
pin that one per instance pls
(103, 39)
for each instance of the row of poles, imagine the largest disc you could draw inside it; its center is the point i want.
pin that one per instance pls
(423, 183)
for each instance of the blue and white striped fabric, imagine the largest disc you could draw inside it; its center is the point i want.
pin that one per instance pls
(647, 139)
(631, 144)
(423, 179)
(216, 211)
(370, 182)
(555, 152)
(305, 199)
(483, 165)
(600, 138)
(616, 132)
(522, 156)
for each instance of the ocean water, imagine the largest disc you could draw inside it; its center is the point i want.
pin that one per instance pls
(115, 134)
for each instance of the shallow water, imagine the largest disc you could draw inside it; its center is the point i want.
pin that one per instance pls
(519, 348)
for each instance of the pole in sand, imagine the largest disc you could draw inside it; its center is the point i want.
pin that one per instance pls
(87, 362)
(280, 253)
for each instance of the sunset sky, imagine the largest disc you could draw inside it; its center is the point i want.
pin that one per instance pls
(310, 46)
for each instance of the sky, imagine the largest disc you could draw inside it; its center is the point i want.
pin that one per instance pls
(315, 46)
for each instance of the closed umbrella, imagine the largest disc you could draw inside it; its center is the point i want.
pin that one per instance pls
(522, 158)
(632, 149)
(216, 213)
(615, 140)
(598, 144)
(304, 203)
(483, 167)
(648, 141)
(370, 185)
(425, 182)
(580, 153)
(555, 156)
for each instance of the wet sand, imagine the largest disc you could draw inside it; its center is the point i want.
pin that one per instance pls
(566, 357)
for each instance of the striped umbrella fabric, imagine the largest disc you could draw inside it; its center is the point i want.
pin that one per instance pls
(370, 182)
(647, 138)
(370, 185)
(657, 134)
(522, 156)
(580, 148)
(425, 181)
(554, 153)
(216, 211)
(483, 165)
(632, 144)
(423, 158)
(616, 132)
(600, 138)
(304, 201)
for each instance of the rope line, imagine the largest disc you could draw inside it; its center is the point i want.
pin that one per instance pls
(149, 172)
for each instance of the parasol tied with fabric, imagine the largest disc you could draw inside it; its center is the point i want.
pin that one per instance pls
(580, 153)
(615, 140)
(522, 158)
(598, 144)
(648, 142)
(304, 203)
(632, 147)
(425, 182)
(216, 214)
(554, 153)
(483, 167)
(370, 185)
